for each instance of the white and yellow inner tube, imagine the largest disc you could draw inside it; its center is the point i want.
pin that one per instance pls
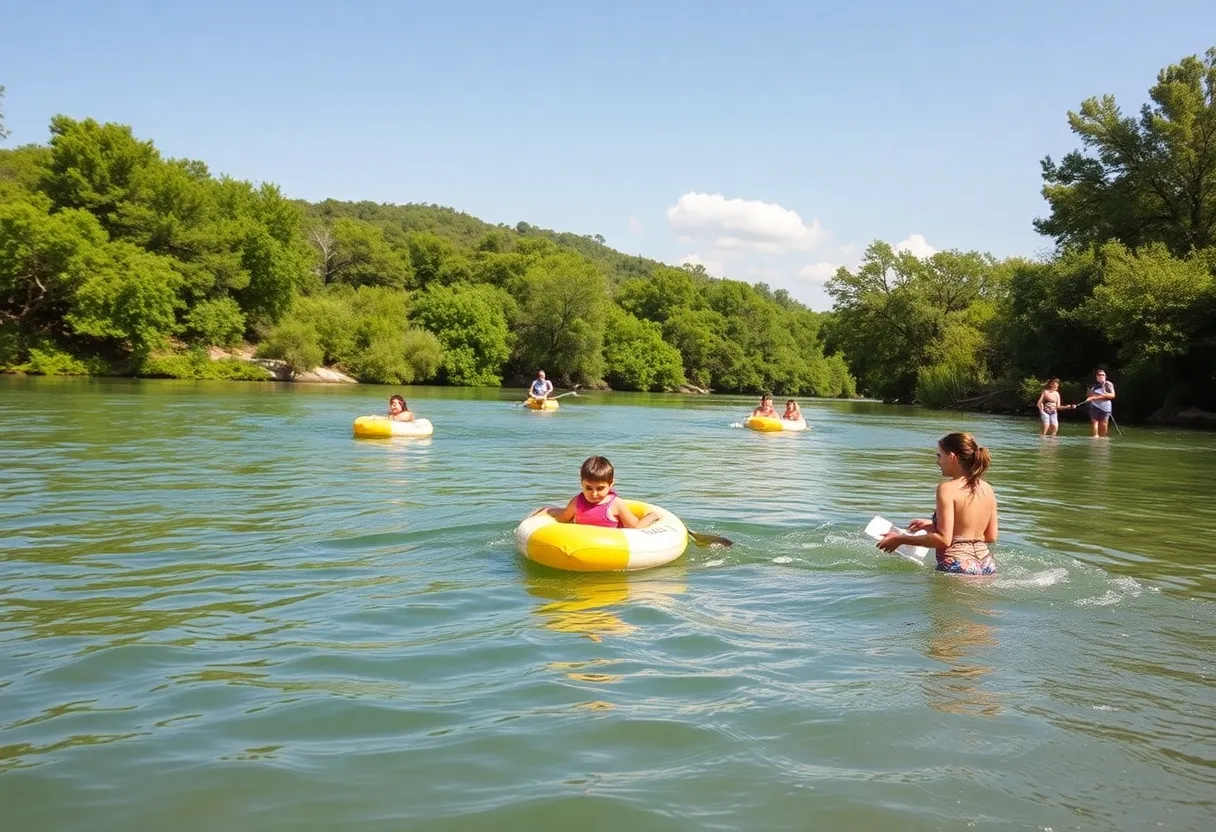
(382, 427)
(542, 404)
(576, 548)
(769, 424)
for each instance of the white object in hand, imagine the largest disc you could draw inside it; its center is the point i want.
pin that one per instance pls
(879, 527)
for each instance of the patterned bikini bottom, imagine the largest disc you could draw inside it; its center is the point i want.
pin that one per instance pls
(966, 557)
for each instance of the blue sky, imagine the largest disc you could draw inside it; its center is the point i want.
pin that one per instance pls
(771, 141)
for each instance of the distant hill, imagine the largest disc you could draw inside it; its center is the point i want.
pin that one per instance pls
(467, 231)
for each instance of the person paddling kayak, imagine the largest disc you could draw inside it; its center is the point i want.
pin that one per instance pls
(541, 387)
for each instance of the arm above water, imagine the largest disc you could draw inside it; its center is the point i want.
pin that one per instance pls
(936, 537)
(627, 518)
(562, 515)
(993, 531)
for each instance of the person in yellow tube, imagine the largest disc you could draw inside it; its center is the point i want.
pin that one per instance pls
(766, 407)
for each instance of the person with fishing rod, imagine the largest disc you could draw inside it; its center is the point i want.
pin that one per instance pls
(1101, 394)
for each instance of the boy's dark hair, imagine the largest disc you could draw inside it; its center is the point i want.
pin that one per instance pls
(597, 469)
(398, 399)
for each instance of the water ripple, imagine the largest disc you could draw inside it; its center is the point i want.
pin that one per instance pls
(262, 623)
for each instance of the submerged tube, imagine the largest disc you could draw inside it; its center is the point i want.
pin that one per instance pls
(382, 427)
(576, 548)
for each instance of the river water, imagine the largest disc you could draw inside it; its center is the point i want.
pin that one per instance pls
(220, 611)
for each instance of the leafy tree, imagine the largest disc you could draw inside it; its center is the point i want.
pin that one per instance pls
(398, 357)
(891, 314)
(43, 259)
(126, 294)
(695, 333)
(429, 254)
(658, 297)
(20, 173)
(332, 318)
(1149, 303)
(635, 355)
(561, 326)
(471, 324)
(363, 257)
(95, 167)
(4, 133)
(1036, 328)
(295, 342)
(219, 321)
(1141, 180)
(273, 270)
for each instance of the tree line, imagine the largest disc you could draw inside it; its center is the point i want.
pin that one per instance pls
(114, 259)
(1128, 287)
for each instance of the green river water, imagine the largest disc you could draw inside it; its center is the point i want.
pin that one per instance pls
(218, 611)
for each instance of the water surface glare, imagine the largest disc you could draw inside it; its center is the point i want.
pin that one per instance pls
(220, 611)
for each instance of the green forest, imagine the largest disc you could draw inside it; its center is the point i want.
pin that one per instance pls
(117, 260)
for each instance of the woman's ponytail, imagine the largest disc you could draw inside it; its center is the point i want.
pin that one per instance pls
(974, 458)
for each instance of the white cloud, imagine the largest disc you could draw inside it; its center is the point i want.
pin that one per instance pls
(743, 224)
(635, 226)
(917, 246)
(818, 272)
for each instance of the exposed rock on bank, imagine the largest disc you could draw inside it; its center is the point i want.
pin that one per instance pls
(279, 369)
(1189, 417)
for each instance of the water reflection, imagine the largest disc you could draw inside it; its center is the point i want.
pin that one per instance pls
(582, 603)
(958, 631)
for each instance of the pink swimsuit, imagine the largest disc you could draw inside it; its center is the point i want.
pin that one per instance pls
(586, 514)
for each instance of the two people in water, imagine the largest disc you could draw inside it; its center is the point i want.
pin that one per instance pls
(1099, 396)
(792, 411)
(964, 523)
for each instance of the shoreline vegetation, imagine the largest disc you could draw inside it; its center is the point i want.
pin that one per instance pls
(115, 260)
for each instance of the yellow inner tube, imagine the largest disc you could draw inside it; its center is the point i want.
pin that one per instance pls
(766, 424)
(577, 548)
(381, 427)
(542, 404)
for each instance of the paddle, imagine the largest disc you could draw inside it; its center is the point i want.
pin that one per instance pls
(709, 539)
(572, 392)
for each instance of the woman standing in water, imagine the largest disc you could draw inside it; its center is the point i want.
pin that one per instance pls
(1101, 394)
(965, 521)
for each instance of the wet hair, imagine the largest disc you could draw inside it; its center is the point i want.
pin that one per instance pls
(1050, 381)
(767, 397)
(597, 469)
(974, 458)
(789, 402)
(1101, 370)
(392, 399)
